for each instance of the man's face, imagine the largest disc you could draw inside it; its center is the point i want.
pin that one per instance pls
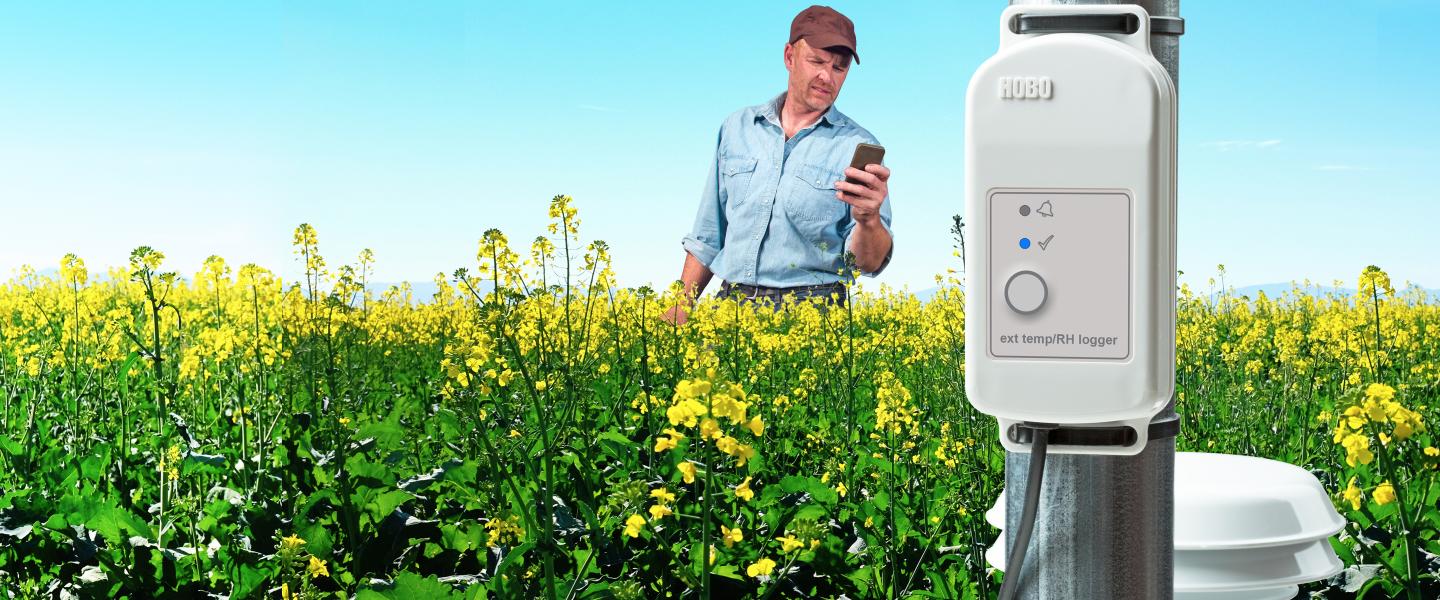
(816, 74)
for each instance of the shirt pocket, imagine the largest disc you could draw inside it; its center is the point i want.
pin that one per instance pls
(812, 206)
(735, 175)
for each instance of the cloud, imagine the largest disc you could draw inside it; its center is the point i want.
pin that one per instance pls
(1342, 168)
(1228, 145)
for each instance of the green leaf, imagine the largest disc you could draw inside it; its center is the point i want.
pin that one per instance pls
(110, 521)
(92, 467)
(57, 522)
(385, 433)
(597, 590)
(386, 503)
(317, 539)
(213, 464)
(615, 445)
(369, 474)
(249, 579)
(10, 447)
(450, 430)
(409, 586)
(512, 557)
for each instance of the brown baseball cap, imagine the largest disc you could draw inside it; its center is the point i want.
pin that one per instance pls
(824, 27)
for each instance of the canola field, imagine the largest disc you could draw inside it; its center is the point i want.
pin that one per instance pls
(533, 432)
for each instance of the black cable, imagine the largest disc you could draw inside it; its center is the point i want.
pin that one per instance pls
(1016, 561)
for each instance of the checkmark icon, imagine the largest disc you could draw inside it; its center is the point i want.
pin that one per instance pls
(1047, 241)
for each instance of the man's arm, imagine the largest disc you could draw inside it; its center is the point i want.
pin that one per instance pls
(868, 233)
(693, 279)
(871, 243)
(695, 276)
(704, 241)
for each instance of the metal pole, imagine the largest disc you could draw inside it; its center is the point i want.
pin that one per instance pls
(1105, 528)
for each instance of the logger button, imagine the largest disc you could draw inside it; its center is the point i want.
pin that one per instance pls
(1025, 292)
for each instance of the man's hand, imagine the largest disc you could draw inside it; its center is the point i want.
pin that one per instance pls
(693, 279)
(676, 315)
(866, 196)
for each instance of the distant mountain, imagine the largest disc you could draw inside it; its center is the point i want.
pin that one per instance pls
(1275, 290)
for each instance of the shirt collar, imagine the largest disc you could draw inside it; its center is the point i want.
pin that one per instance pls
(771, 112)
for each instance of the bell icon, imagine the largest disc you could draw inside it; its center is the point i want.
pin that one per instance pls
(1046, 209)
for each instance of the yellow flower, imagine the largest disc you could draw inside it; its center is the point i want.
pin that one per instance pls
(662, 495)
(664, 443)
(503, 531)
(1384, 494)
(540, 385)
(743, 452)
(1379, 392)
(687, 469)
(633, 525)
(686, 412)
(285, 591)
(1374, 283)
(726, 444)
(346, 420)
(1432, 451)
(1403, 430)
(659, 510)
(291, 543)
(1354, 418)
(1374, 410)
(761, 567)
(789, 543)
(317, 568)
(710, 429)
(1357, 449)
(730, 536)
(756, 426)
(840, 489)
(1353, 495)
(743, 490)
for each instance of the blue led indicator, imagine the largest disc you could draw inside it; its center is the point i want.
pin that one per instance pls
(1024, 243)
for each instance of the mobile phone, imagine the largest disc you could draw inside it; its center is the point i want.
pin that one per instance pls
(866, 154)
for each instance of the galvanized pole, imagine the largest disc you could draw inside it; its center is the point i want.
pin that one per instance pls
(1105, 528)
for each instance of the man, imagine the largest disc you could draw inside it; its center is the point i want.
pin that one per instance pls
(777, 215)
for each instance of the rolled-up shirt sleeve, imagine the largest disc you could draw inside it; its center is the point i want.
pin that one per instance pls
(707, 236)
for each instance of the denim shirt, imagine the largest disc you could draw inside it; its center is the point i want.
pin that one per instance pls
(768, 215)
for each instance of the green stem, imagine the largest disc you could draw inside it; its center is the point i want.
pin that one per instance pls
(705, 526)
(1412, 581)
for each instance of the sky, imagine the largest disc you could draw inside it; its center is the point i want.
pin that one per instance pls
(1308, 132)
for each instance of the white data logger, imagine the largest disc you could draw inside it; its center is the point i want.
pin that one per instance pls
(1070, 253)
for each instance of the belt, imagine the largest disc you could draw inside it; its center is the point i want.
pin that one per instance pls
(801, 291)
(756, 289)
